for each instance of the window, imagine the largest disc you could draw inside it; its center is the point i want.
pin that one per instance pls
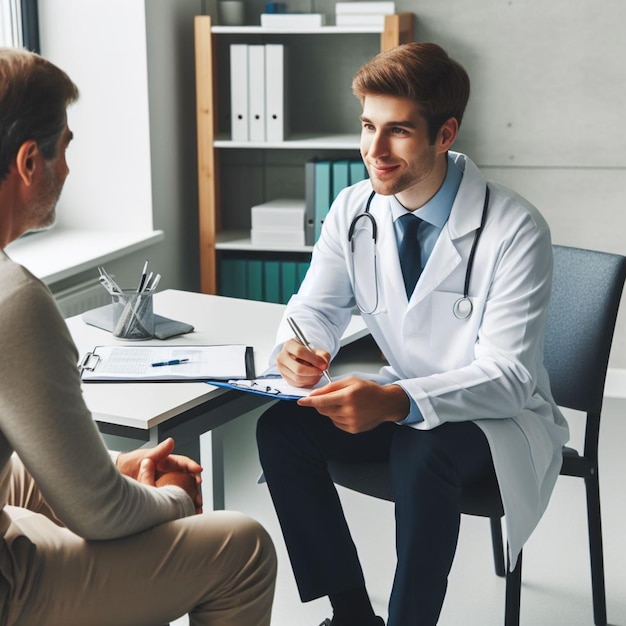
(19, 24)
(105, 210)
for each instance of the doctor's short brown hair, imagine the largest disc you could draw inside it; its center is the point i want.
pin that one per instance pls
(34, 96)
(421, 72)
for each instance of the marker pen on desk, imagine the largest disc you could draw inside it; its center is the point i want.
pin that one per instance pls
(172, 362)
(302, 339)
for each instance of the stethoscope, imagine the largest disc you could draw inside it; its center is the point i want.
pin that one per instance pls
(463, 307)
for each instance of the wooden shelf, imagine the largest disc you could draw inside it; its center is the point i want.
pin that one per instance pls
(240, 240)
(398, 29)
(323, 30)
(296, 142)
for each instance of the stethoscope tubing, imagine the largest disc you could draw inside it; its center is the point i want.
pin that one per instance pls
(463, 307)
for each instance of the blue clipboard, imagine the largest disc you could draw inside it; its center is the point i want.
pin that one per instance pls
(269, 386)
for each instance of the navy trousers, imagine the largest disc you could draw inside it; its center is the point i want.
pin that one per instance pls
(428, 469)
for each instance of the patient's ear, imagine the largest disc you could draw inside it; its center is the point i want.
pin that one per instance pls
(26, 161)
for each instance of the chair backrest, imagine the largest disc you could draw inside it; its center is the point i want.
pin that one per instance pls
(586, 292)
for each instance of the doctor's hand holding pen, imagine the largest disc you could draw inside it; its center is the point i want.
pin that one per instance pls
(352, 404)
(299, 363)
(301, 366)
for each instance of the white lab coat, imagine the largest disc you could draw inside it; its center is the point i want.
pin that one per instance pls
(488, 368)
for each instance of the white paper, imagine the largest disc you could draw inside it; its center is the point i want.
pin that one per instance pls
(135, 363)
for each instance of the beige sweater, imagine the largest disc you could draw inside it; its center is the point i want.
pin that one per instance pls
(43, 418)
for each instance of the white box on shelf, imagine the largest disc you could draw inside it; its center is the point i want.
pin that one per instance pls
(292, 20)
(356, 19)
(378, 8)
(282, 214)
(276, 237)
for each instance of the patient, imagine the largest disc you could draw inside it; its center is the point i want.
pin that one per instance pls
(91, 537)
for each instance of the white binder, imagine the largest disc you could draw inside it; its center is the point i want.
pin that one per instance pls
(256, 92)
(275, 90)
(239, 92)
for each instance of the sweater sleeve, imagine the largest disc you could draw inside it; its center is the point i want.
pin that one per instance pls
(43, 417)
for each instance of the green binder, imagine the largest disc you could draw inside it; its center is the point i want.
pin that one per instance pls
(323, 191)
(358, 172)
(271, 272)
(240, 278)
(341, 176)
(302, 269)
(255, 279)
(289, 280)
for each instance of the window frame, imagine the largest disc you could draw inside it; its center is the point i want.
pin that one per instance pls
(21, 30)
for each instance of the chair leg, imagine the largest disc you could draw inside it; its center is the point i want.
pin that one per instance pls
(595, 550)
(496, 542)
(513, 592)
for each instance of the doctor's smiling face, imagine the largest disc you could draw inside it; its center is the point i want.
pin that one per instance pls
(413, 98)
(397, 150)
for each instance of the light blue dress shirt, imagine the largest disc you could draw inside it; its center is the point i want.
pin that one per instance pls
(434, 215)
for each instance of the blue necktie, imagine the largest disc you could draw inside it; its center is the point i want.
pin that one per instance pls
(410, 259)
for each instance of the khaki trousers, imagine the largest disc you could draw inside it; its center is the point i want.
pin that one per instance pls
(219, 567)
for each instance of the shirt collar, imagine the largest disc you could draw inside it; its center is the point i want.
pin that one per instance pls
(437, 210)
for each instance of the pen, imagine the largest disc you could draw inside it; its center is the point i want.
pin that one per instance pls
(302, 339)
(155, 282)
(142, 280)
(172, 362)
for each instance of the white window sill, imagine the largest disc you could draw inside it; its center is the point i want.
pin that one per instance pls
(61, 253)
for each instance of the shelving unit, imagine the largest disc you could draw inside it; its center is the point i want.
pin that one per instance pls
(212, 140)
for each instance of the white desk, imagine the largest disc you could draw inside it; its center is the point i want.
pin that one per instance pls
(151, 412)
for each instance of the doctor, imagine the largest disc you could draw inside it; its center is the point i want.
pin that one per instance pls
(465, 392)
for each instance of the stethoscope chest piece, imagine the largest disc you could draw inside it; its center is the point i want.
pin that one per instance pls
(463, 308)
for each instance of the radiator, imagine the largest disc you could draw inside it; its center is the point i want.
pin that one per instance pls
(81, 298)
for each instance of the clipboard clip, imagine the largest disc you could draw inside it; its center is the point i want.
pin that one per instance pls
(254, 385)
(89, 362)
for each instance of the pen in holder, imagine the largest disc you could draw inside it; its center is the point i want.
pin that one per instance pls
(133, 315)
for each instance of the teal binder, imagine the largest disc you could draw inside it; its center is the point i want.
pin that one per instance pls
(271, 272)
(323, 190)
(358, 172)
(289, 278)
(233, 278)
(227, 280)
(302, 268)
(341, 176)
(254, 269)
(240, 278)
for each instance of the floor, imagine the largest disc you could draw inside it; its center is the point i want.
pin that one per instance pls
(556, 586)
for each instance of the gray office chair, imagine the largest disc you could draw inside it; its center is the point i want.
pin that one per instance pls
(586, 294)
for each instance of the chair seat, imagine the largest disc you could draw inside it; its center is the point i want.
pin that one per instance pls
(481, 499)
(373, 479)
